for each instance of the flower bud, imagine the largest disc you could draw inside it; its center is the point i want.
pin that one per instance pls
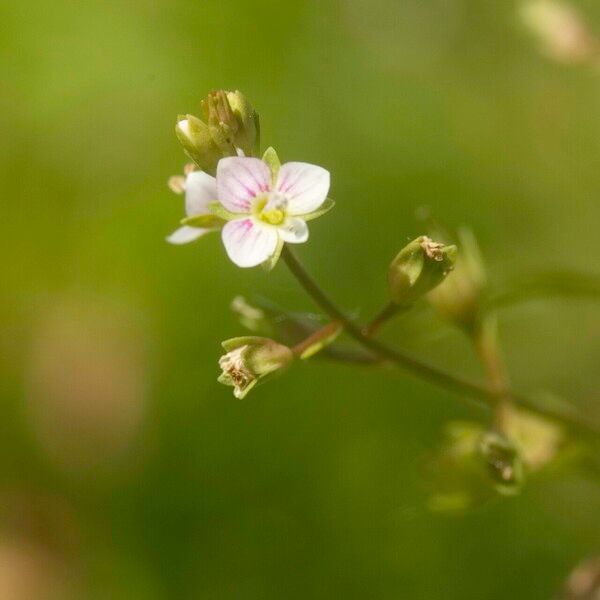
(232, 122)
(250, 360)
(458, 298)
(472, 467)
(456, 475)
(197, 142)
(503, 462)
(418, 268)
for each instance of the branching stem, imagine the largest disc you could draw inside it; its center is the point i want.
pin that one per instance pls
(453, 383)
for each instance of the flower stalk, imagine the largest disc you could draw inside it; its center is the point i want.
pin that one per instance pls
(487, 347)
(457, 385)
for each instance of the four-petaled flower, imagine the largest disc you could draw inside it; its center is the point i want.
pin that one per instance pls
(267, 208)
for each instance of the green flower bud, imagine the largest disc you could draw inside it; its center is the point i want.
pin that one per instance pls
(418, 268)
(197, 142)
(248, 138)
(231, 125)
(232, 122)
(472, 467)
(457, 476)
(503, 462)
(249, 360)
(458, 298)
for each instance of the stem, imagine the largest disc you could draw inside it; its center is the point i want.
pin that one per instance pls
(316, 338)
(438, 377)
(486, 344)
(384, 315)
(435, 376)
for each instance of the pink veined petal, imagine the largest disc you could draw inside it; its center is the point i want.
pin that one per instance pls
(240, 180)
(186, 234)
(306, 186)
(200, 191)
(249, 243)
(294, 231)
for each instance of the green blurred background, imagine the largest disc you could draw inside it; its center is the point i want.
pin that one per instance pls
(126, 470)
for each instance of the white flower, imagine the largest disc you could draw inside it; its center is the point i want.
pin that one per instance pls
(200, 190)
(266, 209)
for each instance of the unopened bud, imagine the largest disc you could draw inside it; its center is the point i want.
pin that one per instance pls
(248, 137)
(197, 142)
(232, 122)
(458, 298)
(472, 467)
(503, 462)
(418, 268)
(249, 360)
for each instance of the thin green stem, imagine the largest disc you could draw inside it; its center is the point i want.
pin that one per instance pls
(317, 339)
(455, 384)
(484, 338)
(390, 310)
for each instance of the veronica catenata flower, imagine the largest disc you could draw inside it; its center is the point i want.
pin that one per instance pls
(200, 190)
(267, 206)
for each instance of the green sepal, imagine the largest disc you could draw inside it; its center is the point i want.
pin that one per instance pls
(272, 160)
(238, 342)
(216, 208)
(204, 221)
(270, 263)
(324, 208)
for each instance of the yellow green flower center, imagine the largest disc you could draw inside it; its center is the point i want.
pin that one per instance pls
(271, 209)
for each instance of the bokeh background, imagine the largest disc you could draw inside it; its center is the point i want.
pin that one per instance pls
(126, 470)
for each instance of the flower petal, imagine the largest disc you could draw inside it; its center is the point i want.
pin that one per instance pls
(306, 186)
(200, 191)
(239, 180)
(249, 243)
(186, 234)
(294, 231)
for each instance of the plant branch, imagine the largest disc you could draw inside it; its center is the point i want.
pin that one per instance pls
(484, 338)
(390, 310)
(455, 384)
